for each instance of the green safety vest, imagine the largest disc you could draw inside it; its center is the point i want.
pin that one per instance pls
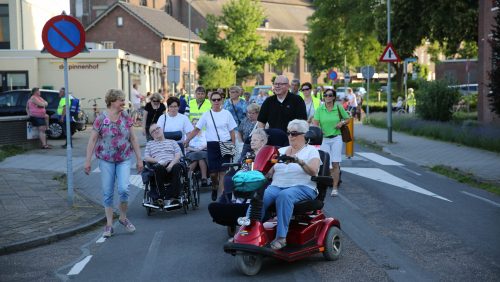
(316, 101)
(195, 111)
(411, 100)
(62, 103)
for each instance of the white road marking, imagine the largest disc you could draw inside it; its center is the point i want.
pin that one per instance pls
(101, 240)
(78, 267)
(379, 159)
(385, 177)
(482, 199)
(96, 170)
(136, 180)
(409, 170)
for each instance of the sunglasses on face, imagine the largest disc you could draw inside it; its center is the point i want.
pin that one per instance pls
(216, 99)
(306, 89)
(155, 101)
(328, 95)
(294, 133)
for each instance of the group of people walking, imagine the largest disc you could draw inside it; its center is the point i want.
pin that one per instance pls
(209, 136)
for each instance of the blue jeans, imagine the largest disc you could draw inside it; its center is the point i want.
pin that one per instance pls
(285, 198)
(114, 172)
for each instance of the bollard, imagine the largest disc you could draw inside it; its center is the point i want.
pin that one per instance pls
(349, 146)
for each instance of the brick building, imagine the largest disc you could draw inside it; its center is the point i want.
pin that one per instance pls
(486, 21)
(460, 71)
(147, 32)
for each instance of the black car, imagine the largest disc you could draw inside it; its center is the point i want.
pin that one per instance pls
(13, 103)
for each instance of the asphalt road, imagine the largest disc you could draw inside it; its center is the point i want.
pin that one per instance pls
(417, 227)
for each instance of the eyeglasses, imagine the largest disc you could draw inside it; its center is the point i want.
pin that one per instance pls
(306, 89)
(280, 83)
(155, 101)
(216, 100)
(155, 130)
(294, 133)
(328, 95)
(173, 106)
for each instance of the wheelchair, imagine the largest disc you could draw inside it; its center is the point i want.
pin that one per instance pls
(156, 198)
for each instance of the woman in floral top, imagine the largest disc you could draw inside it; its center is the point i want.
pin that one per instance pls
(113, 141)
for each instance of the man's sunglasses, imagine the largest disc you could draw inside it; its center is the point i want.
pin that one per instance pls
(294, 133)
(306, 89)
(155, 101)
(216, 100)
(328, 95)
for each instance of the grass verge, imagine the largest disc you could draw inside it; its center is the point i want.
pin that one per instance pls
(9, 151)
(370, 144)
(466, 178)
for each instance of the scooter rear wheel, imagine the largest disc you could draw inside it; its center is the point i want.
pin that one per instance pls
(333, 244)
(248, 264)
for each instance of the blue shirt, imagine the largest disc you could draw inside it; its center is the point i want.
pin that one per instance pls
(240, 107)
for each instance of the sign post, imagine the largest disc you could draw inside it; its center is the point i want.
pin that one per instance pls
(64, 37)
(332, 75)
(389, 56)
(367, 73)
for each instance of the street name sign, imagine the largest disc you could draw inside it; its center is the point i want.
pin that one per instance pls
(389, 55)
(63, 36)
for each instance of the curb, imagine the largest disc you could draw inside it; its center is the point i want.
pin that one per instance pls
(45, 240)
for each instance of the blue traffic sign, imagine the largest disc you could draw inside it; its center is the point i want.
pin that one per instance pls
(332, 75)
(63, 36)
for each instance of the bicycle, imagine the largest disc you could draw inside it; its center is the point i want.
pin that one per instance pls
(94, 107)
(136, 115)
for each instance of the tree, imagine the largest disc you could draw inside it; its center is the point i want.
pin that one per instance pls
(233, 35)
(285, 51)
(494, 95)
(216, 72)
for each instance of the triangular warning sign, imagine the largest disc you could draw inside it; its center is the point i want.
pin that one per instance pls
(389, 54)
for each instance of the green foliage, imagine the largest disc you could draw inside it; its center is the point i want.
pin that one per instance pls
(284, 50)
(216, 72)
(9, 151)
(470, 134)
(435, 100)
(422, 70)
(466, 178)
(494, 95)
(237, 39)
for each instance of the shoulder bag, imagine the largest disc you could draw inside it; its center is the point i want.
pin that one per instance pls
(344, 130)
(227, 148)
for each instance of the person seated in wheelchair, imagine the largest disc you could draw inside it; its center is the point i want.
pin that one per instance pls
(291, 181)
(163, 155)
(399, 104)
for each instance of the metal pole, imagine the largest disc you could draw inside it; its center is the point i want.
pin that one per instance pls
(405, 65)
(69, 161)
(389, 98)
(367, 97)
(345, 72)
(189, 50)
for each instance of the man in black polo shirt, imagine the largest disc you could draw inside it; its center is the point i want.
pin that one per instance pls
(281, 108)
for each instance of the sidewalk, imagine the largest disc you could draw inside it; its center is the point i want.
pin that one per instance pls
(34, 199)
(426, 152)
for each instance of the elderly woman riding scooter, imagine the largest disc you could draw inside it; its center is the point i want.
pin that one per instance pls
(292, 181)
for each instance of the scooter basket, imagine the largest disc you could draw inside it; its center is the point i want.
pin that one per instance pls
(247, 182)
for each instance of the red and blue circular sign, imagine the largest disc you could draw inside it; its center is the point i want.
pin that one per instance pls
(332, 75)
(63, 36)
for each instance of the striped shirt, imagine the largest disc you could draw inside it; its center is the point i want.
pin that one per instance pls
(163, 151)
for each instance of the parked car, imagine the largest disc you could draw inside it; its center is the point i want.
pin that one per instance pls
(13, 103)
(341, 92)
(465, 89)
(256, 89)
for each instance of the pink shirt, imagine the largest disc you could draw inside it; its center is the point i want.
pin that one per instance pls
(35, 110)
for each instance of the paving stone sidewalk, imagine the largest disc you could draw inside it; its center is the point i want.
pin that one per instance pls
(427, 152)
(35, 210)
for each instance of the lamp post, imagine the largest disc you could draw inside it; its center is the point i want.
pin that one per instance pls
(189, 50)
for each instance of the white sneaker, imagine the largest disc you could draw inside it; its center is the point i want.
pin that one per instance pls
(334, 193)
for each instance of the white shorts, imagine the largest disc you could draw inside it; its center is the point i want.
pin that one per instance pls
(333, 146)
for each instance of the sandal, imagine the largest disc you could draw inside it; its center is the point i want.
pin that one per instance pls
(46, 147)
(278, 244)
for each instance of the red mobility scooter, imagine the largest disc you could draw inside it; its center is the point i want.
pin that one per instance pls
(310, 231)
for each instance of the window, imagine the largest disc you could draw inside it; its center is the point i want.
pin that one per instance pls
(168, 7)
(144, 2)
(306, 66)
(184, 52)
(108, 44)
(119, 21)
(172, 49)
(192, 52)
(13, 80)
(4, 27)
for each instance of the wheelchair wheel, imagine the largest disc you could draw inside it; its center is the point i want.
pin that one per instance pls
(146, 199)
(195, 190)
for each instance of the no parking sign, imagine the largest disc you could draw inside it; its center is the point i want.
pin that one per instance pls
(63, 36)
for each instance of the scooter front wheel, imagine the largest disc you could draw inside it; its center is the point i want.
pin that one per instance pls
(248, 264)
(333, 244)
